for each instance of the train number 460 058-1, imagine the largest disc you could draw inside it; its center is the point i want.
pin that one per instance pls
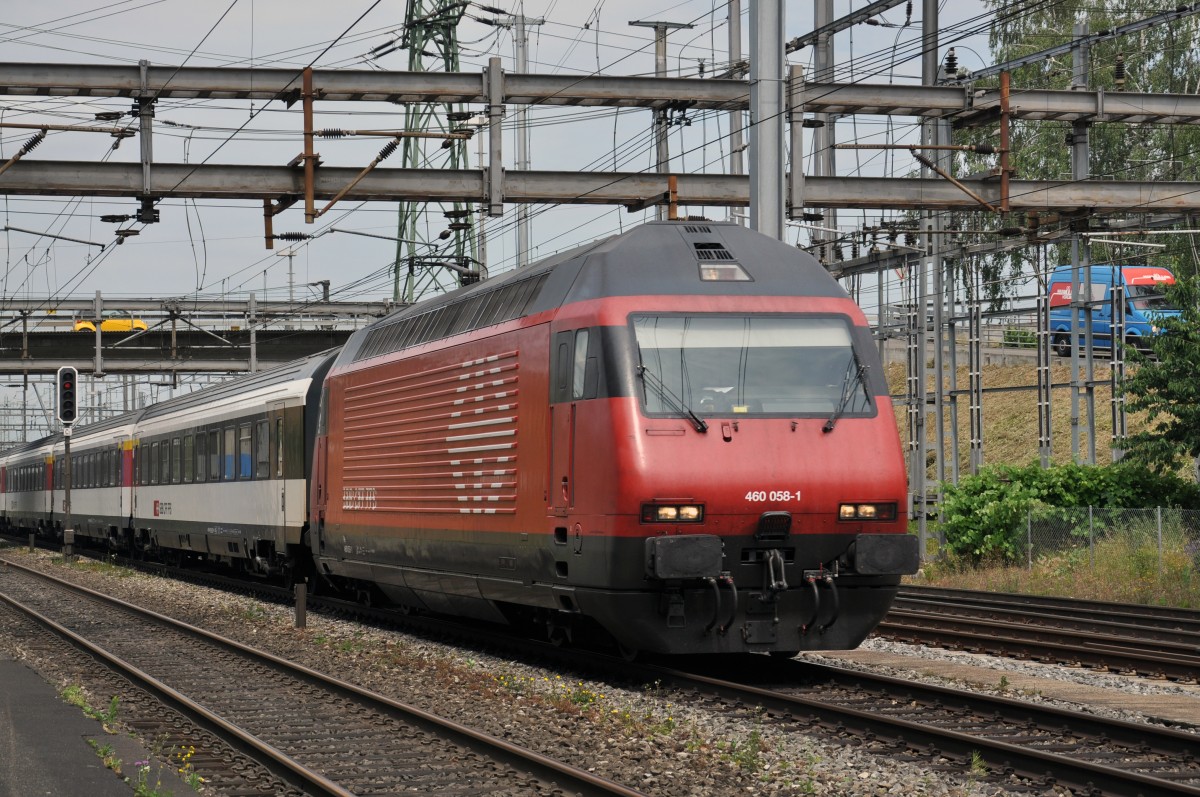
(758, 496)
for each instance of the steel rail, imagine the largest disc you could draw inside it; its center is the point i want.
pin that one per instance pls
(571, 778)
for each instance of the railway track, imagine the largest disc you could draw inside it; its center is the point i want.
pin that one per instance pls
(1017, 745)
(313, 734)
(1156, 642)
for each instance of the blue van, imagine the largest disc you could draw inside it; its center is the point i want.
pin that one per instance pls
(1144, 304)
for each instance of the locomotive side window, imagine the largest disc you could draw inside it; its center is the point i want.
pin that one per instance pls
(262, 450)
(749, 365)
(245, 452)
(580, 360)
(227, 471)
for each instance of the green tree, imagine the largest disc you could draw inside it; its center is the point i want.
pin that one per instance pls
(1163, 58)
(1166, 387)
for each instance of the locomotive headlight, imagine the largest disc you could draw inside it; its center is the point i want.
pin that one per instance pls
(867, 511)
(672, 513)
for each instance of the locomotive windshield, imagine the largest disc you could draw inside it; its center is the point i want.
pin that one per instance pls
(748, 365)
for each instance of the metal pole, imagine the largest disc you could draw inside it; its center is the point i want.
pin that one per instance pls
(1081, 281)
(662, 153)
(522, 115)
(736, 120)
(301, 592)
(929, 73)
(824, 161)
(766, 117)
(795, 203)
(68, 529)
(1158, 524)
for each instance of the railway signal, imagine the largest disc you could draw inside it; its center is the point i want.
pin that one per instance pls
(67, 377)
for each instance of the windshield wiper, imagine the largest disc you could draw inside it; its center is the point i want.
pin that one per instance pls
(670, 399)
(855, 371)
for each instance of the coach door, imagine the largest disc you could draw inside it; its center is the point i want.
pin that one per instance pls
(290, 501)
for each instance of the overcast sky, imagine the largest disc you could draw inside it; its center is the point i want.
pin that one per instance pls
(208, 248)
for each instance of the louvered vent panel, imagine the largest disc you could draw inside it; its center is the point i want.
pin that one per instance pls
(441, 441)
(695, 229)
(713, 252)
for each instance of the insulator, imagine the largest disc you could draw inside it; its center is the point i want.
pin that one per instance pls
(837, 252)
(910, 239)
(1120, 71)
(854, 251)
(983, 149)
(332, 132)
(951, 61)
(388, 148)
(291, 236)
(33, 141)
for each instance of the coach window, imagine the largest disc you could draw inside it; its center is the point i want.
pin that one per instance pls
(262, 450)
(164, 456)
(176, 460)
(90, 471)
(279, 448)
(137, 465)
(189, 458)
(230, 441)
(245, 452)
(154, 463)
(201, 456)
(214, 455)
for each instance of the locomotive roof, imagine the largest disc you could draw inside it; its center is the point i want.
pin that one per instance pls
(657, 258)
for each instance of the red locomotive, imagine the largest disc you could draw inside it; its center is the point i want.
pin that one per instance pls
(681, 435)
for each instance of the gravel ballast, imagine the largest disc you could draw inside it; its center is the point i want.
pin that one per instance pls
(645, 739)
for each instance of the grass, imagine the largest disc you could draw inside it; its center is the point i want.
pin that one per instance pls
(1126, 569)
(1010, 418)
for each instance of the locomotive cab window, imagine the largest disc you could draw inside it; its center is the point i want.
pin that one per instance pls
(735, 366)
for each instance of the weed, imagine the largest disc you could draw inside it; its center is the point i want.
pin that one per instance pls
(979, 767)
(1004, 683)
(748, 754)
(142, 787)
(254, 612)
(186, 770)
(75, 695)
(105, 751)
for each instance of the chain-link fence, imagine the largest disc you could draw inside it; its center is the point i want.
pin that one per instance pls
(1152, 541)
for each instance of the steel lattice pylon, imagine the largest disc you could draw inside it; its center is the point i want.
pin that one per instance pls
(431, 38)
